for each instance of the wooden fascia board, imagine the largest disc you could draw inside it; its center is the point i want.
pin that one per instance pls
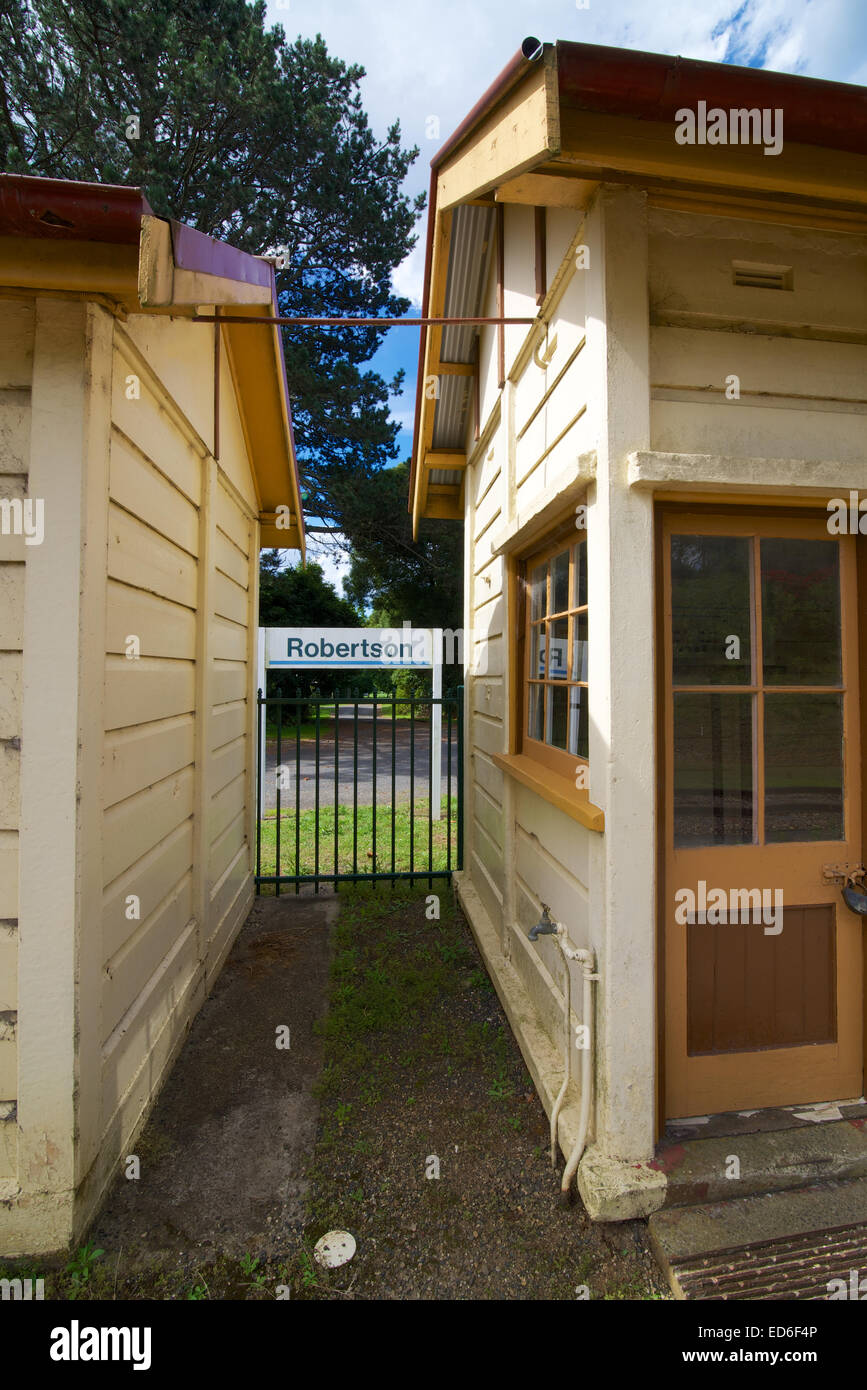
(445, 458)
(77, 267)
(257, 377)
(604, 147)
(442, 509)
(272, 537)
(161, 282)
(521, 132)
(433, 344)
(548, 190)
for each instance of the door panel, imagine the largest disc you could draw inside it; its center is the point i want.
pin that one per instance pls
(762, 767)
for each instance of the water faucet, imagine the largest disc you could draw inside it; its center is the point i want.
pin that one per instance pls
(544, 926)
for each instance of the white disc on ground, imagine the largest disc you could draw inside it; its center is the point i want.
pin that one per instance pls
(334, 1248)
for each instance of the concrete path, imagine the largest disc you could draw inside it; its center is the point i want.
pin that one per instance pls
(224, 1153)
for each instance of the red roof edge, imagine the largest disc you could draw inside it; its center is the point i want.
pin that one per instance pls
(66, 210)
(654, 87)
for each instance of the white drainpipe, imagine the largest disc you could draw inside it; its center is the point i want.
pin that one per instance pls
(557, 929)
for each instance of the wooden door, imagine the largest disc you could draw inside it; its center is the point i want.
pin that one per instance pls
(762, 796)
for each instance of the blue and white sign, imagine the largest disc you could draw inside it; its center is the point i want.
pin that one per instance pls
(343, 648)
(358, 648)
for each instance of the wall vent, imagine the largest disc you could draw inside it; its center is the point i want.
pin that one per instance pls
(758, 276)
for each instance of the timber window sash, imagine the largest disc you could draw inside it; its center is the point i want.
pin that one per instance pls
(554, 728)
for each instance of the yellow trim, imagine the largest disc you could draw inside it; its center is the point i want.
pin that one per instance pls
(559, 791)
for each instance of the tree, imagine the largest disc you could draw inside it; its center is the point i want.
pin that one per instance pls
(299, 596)
(227, 126)
(419, 580)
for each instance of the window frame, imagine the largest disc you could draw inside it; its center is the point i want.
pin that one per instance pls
(564, 537)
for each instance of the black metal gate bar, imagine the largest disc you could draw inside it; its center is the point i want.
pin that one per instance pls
(422, 857)
(449, 790)
(297, 792)
(279, 778)
(373, 862)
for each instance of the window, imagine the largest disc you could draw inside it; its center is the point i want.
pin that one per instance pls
(555, 721)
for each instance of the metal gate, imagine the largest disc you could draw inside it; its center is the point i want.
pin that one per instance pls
(345, 792)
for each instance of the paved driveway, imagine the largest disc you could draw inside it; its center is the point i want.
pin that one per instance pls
(408, 753)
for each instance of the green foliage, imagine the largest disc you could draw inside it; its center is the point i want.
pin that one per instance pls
(81, 1265)
(300, 596)
(419, 580)
(248, 138)
(255, 1278)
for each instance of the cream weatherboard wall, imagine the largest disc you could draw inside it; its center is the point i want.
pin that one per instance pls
(618, 400)
(16, 372)
(537, 450)
(137, 788)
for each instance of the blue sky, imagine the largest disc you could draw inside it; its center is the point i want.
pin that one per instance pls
(426, 60)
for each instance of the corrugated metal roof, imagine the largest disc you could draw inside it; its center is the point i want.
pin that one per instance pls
(472, 243)
(451, 413)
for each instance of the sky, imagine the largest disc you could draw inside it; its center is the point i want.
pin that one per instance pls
(429, 61)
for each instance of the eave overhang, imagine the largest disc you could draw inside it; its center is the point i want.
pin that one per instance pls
(100, 241)
(561, 119)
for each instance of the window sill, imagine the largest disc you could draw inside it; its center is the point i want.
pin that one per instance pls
(560, 791)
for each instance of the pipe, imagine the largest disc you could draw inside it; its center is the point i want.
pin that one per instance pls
(300, 322)
(589, 975)
(546, 927)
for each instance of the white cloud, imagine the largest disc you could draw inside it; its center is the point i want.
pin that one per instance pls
(426, 60)
(408, 279)
(327, 553)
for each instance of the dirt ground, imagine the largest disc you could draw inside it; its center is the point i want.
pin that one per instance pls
(401, 1111)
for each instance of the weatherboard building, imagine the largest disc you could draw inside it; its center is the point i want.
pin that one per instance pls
(665, 664)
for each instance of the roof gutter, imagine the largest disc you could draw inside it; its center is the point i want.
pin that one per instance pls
(66, 210)
(654, 87)
(530, 52)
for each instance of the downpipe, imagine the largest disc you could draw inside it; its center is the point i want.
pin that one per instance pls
(547, 927)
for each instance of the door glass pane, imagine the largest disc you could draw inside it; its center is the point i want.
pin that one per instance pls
(713, 769)
(558, 714)
(560, 583)
(538, 592)
(711, 604)
(579, 647)
(578, 730)
(579, 575)
(801, 612)
(537, 651)
(558, 649)
(534, 722)
(803, 767)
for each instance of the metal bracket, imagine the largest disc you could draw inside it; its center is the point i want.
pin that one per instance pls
(839, 873)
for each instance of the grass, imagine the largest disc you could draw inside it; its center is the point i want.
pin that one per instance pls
(355, 848)
(420, 1064)
(290, 729)
(417, 1062)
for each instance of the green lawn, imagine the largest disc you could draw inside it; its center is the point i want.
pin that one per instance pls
(326, 720)
(358, 857)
